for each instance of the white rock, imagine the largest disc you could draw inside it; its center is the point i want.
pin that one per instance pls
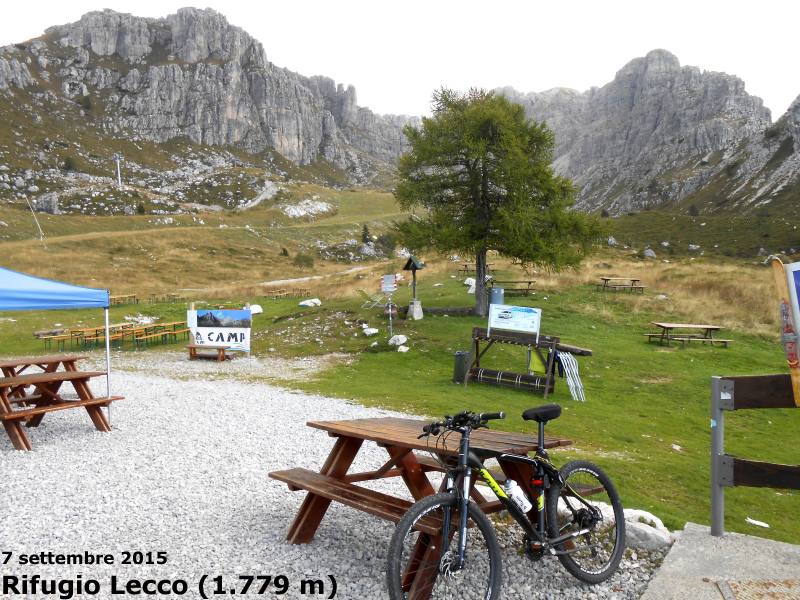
(649, 253)
(373, 344)
(611, 241)
(311, 302)
(363, 325)
(471, 290)
(398, 340)
(438, 284)
(758, 523)
(694, 247)
(403, 348)
(370, 331)
(676, 447)
(665, 244)
(255, 309)
(643, 537)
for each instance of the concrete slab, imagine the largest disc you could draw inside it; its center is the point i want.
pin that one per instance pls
(697, 561)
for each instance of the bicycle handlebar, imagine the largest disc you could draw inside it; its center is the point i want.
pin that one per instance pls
(466, 418)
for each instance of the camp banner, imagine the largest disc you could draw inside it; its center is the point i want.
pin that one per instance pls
(220, 328)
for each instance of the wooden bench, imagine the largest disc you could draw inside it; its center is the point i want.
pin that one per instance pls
(372, 502)
(524, 291)
(92, 339)
(223, 352)
(60, 341)
(622, 286)
(40, 410)
(686, 338)
(175, 333)
(142, 339)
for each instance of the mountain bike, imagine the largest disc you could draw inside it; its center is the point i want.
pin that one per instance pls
(446, 547)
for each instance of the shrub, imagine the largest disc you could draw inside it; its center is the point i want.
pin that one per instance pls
(693, 211)
(365, 234)
(604, 213)
(284, 252)
(386, 241)
(70, 164)
(140, 209)
(303, 261)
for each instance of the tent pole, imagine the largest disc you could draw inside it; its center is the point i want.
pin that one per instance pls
(108, 367)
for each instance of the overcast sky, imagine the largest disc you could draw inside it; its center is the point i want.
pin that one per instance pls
(397, 53)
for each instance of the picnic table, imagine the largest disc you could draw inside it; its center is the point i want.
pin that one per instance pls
(632, 285)
(399, 437)
(223, 352)
(667, 330)
(468, 268)
(48, 364)
(46, 397)
(525, 291)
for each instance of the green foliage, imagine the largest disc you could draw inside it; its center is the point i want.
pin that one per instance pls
(365, 234)
(140, 209)
(85, 102)
(604, 213)
(70, 164)
(482, 173)
(303, 261)
(284, 252)
(387, 241)
(693, 211)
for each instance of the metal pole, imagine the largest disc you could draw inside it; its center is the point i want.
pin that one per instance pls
(414, 274)
(119, 177)
(108, 367)
(717, 450)
(390, 316)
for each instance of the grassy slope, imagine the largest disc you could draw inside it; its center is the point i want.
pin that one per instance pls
(642, 398)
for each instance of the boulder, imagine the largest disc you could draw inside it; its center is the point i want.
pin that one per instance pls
(311, 302)
(649, 253)
(398, 340)
(370, 331)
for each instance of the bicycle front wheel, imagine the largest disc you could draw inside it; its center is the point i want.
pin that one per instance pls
(423, 565)
(594, 556)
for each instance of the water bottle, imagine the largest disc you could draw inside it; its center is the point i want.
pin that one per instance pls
(516, 495)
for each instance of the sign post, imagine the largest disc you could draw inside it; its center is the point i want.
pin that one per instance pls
(389, 285)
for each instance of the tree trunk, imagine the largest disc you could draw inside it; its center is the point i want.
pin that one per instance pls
(481, 303)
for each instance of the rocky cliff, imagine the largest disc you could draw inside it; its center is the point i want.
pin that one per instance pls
(671, 136)
(194, 75)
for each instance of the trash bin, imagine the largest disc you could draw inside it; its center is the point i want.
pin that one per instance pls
(461, 366)
(496, 295)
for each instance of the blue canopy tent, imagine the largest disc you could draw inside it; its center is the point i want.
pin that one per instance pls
(26, 292)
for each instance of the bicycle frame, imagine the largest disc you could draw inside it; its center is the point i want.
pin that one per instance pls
(459, 481)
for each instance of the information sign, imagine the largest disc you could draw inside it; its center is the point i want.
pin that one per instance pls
(388, 284)
(514, 318)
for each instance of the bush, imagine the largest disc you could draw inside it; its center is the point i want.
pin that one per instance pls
(386, 241)
(70, 164)
(604, 213)
(284, 252)
(365, 234)
(693, 211)
(140, 209)
(304, 261)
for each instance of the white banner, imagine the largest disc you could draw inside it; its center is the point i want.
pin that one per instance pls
(514, 318)
(220, 328)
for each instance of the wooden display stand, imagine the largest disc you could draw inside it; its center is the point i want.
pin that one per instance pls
(525, 381)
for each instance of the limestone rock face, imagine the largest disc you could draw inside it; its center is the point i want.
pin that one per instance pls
(12, 72)
(193, 74)
(663, 133)
(794, 123)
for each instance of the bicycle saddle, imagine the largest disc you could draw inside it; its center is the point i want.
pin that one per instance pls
(543, 413)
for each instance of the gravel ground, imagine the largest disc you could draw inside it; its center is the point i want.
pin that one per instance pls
(185, 472)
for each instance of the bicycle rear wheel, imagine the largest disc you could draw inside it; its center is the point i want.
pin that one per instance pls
(594, 556)
(417, 569)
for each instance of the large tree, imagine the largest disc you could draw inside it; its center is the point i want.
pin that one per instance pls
(481, 172)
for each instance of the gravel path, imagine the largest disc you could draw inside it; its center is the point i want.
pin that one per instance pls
(185, 472)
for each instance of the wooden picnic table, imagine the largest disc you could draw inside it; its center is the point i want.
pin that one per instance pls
(400, 438)
(667, 333)
(526, 291)
(468, 268)
(633, 284)
(46, 398)
(48, 364)
(222, 351)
